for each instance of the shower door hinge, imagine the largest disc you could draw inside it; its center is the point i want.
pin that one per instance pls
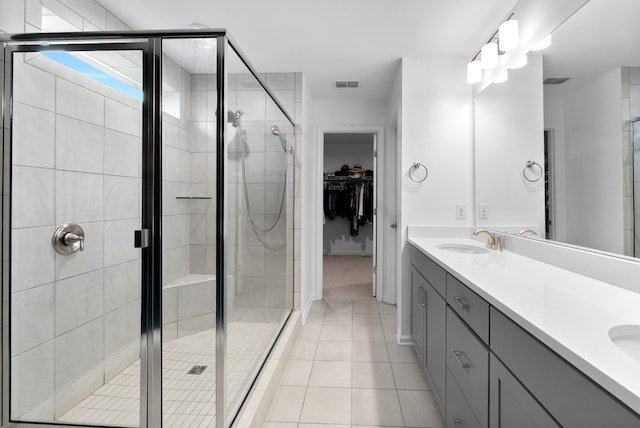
(375, 270)
(375, 211)
(375, 153)
(141, 239)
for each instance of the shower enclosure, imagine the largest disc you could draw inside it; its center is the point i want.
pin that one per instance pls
(147, 228)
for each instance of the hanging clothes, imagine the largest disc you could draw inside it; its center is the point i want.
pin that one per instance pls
(351, 199)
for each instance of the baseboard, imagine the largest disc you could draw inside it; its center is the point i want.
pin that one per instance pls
(307, 308)
(405, 340)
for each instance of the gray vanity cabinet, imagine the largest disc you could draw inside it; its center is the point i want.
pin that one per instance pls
(428, 320)
(488, 372)
(468, 366)
(567, 394)
(511, 404)
(418, 313)
(458, 411)
(436, 313)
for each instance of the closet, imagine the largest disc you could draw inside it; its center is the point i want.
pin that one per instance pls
(348, 203)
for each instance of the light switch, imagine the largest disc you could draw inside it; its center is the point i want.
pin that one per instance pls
(483, 212)
(461, 211)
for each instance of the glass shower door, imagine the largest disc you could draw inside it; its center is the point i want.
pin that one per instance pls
(75, 143)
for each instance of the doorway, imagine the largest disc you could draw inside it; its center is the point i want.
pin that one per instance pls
(549, 207)
(349, 230)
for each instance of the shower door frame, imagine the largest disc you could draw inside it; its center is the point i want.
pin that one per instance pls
(150, 44)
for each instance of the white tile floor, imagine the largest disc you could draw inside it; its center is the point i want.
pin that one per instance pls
(346, 370)
(188, 400)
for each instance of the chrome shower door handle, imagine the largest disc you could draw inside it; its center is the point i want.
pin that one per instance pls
(67, 239)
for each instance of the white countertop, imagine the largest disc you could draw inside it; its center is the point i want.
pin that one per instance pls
(569, 312)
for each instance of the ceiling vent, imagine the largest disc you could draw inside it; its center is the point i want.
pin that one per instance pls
(347, 84)
(555, 80)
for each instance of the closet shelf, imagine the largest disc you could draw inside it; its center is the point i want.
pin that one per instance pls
(347, 179)
(193, 197)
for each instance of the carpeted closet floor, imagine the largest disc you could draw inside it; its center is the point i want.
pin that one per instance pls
(347, 278)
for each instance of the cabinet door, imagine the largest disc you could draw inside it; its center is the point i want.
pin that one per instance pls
(468, 362)
(436, 315)
(417, 313)
(458, 412)
(510, 404)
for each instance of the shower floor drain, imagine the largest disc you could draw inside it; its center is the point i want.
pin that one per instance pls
(196, 370)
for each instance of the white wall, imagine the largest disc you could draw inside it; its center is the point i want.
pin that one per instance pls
(436, 131)
(509, 131)
(592, 150)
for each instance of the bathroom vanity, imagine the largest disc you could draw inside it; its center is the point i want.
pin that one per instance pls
(509, 341)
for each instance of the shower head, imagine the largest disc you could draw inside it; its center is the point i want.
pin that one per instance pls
(276, 131)
(233, 117)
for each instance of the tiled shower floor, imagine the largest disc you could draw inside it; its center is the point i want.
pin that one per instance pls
(188, 399)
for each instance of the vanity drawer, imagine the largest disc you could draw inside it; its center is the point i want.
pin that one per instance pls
(473, 309)
(434, 274)
(568, 395)
(468, 363)
(458, 414)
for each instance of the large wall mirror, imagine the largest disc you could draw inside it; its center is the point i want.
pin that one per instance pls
(555, 146)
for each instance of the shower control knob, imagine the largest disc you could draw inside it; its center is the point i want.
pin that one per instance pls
(71, 239)
(68, 239)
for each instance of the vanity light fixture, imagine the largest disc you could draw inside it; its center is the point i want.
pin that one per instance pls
(502, 77)
(519, 63)
(543, 44)
(489, 55)
(474, 71)
(504, 39)
(508, 35)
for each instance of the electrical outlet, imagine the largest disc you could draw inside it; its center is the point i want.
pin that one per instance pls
(483, 212)
(461, 211)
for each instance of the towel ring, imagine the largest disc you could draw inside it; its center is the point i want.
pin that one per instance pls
(413, 168)
(531, 164)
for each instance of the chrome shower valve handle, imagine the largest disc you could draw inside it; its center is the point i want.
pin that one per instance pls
(67, 239)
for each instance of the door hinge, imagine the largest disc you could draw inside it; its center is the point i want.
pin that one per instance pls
(375, 211)
(375, 153)
(375, 270)
(141, 238)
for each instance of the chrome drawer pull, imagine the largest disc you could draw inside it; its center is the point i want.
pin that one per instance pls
(460, 303)
(458, 422)
(457, 355)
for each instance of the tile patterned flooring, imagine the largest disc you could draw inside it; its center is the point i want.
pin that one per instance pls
(188, 400)
(346, 370)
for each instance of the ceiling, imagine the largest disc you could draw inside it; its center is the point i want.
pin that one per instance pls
(331, 40)
(586, 45)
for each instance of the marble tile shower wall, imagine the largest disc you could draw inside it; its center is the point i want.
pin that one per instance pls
(176, 177)
(72, 317)
(630, 114)
(263, 259)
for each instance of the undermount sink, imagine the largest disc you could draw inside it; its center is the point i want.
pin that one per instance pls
(462, 248)
(627, 339)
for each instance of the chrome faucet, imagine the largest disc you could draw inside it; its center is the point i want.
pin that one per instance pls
(494, 240)
(523, 232)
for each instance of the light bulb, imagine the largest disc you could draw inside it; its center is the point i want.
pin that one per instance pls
(543, 44)
(519, 63)
(508, 35)
(489, 55)
(474, 71)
